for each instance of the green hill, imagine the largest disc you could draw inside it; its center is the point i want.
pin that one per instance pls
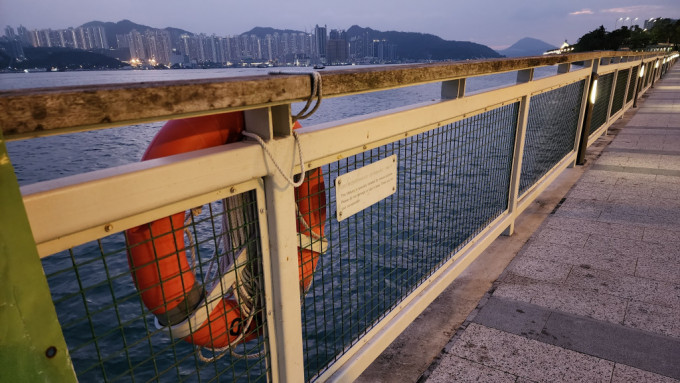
(419, 46)
(66, 58)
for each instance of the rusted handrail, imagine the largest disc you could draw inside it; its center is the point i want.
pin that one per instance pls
(46, 111)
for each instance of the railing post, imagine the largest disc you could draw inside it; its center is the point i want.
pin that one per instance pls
(612, 92)
(625, 92)
(523, 76)
(656, 66)
(284, 320)
(638, 83)
(32, 346)
(591, 91)
(453, 89)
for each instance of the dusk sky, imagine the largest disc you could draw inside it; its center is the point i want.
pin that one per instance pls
(497, 23)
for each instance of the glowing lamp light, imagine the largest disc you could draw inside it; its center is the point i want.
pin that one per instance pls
(593, 92)
(642, 71)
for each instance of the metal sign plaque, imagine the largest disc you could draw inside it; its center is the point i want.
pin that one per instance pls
(361, 188)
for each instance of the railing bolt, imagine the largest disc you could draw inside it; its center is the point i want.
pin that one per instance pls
(339, 182)
(232, 189)
(261, 210)
(108, 227)
(51, 352)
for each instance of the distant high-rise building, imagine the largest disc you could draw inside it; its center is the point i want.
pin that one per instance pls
(337, 47)
(320, 41)
(24, 35)
(137, 48)
(9, 33)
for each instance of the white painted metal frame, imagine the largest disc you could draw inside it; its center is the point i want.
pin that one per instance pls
(602, 70)
(73, 210)
(70, 211)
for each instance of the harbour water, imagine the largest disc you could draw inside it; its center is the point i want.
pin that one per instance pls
(385, 256)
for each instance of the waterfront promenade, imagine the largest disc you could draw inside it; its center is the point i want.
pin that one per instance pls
(594, 294)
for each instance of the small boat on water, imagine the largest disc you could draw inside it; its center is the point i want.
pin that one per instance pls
(319, 66)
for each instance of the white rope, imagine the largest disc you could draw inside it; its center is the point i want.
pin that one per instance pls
(316, 92)
(227, 284)
(195, 212)
(278, 167)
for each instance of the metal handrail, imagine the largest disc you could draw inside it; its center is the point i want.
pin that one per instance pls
(47, 111)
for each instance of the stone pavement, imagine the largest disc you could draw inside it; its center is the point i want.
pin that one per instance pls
(594, 295)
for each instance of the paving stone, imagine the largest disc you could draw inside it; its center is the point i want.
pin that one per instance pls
(571, 300)
(593, 188)
(625, 208)
(625, 286)
(621, 247)
(529, 358)
(627, 374)
(658, 222)
(595, 228)
(612, 158)
(454, 369)
(616, 343)
(668, 179)
(562, 237)
(519, 318)
(540, 269)
(581, 257)
(599, 177)
(601, 339)
(653, 318)
(585, 212)
(596, 195)
(667, 270)
(669, 193)
(661, 236)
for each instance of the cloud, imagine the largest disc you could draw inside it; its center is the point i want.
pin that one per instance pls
(584, 11)
(632, 9)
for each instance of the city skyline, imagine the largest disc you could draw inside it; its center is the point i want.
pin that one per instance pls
(146, 46)
(496, 25)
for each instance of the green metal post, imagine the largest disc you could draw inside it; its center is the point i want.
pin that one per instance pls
(32, 346)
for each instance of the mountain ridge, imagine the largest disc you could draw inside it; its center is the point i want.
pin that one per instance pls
(527, 46)
(410, 45)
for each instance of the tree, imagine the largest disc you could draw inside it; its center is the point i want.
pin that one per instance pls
(664, 31)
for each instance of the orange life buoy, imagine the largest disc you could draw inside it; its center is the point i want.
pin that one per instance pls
(157, 258)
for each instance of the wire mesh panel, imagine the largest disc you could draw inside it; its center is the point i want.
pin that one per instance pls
(619, 91)
(600, 109)
(451, 182)
(631, 84)
(204, 263)
(550, 132)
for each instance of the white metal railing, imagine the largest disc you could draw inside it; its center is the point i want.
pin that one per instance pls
(75, 210)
